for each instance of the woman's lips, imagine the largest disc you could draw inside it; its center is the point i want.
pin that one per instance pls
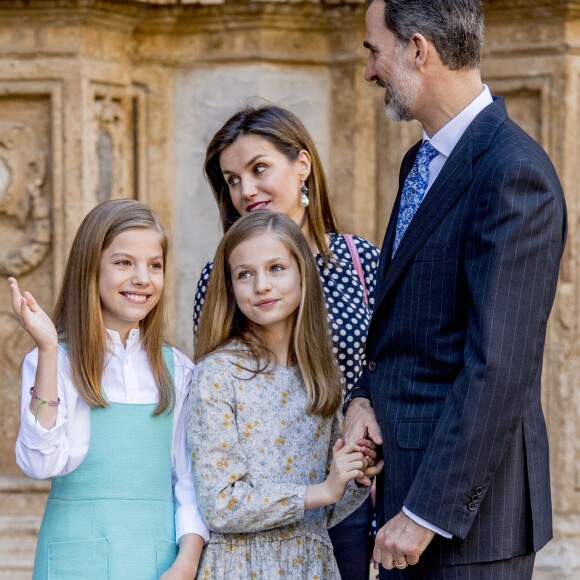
(257, 205)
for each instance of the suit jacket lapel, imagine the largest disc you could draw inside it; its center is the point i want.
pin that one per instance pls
(456, 175)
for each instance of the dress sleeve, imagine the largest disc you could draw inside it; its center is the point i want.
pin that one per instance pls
(42, 453)
(200, 292)
(369, 257)
(188, 518)
(232, 500)
(354, 495)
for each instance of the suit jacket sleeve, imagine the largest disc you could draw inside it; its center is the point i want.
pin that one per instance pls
(512, 257)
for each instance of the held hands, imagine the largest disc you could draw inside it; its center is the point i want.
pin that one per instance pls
(372, 467)
(348, 463)
(32, 317)
(361, 427)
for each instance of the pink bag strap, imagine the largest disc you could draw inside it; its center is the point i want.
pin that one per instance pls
(357, 265)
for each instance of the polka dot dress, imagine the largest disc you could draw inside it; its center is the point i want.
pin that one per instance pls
(348, 315)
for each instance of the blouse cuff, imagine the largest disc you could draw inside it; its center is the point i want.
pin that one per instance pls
(188, 520)
(34, 436)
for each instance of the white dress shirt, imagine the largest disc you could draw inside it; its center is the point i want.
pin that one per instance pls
(448, 136)
(445, 141)
(127, 378)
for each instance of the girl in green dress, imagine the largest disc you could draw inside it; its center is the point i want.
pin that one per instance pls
(103, 411)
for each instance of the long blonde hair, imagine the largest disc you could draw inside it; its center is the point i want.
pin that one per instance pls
(289, 136)
(78, 316)
(310, 347)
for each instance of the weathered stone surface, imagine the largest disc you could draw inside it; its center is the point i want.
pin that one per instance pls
(118, 98)
(21, 505)
(25, 237)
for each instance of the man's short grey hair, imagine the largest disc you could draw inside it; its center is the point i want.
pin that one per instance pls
(454, 26)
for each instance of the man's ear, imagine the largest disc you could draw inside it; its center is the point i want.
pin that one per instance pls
(420, 48)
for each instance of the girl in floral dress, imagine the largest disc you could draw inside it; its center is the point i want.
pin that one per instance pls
(270, 471)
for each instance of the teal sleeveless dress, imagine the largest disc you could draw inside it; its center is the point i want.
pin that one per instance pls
(113, 517)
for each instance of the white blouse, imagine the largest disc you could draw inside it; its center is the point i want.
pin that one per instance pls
(127, 378)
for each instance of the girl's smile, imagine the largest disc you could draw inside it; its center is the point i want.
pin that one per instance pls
(131, 279)
(140, 298)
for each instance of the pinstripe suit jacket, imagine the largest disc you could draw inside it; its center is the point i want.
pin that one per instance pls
(456, 342)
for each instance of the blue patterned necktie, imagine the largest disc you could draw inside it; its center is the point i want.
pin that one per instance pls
(413, 191)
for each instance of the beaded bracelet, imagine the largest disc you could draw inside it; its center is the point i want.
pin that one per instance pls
(42, 402)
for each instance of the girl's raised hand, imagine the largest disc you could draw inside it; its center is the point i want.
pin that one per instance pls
(32, 317)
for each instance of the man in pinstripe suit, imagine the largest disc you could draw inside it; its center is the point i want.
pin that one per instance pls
(455, 345)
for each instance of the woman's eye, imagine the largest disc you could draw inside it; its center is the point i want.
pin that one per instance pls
(232, 181)
(277, 268)
(259, 168)
(157, 266)
(122, 263)
(243, 275)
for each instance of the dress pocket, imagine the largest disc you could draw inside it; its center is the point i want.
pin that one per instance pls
(165, 552)
(79, 559)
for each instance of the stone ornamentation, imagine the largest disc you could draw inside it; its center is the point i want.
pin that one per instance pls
(22, 172)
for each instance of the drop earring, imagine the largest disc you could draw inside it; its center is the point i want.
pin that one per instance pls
(304, 201)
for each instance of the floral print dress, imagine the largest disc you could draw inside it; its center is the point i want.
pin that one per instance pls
(254, 450)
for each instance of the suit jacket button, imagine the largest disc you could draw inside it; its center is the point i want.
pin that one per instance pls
(372, 366)
(475, 498)
(471, 506)
(478, 490)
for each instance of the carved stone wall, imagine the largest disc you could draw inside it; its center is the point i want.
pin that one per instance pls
(25, 237)
(108, 98)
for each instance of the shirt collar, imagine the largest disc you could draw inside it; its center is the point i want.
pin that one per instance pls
(448, 136)
(116, 337)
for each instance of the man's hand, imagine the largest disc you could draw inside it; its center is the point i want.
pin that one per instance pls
(361, 428)
(400, 542)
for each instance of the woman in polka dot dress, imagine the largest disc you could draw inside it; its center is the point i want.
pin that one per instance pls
(264, 158)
